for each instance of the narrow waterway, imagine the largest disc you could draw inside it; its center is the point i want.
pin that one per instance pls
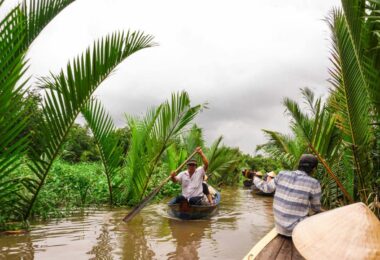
(241, 221)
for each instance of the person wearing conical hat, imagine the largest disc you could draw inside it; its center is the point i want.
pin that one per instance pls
(296, 192)
(259, 174)
(270, 176)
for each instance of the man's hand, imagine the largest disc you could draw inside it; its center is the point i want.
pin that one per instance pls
(204, 159)
(172, 175)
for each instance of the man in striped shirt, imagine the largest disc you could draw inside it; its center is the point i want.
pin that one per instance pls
(296, 192)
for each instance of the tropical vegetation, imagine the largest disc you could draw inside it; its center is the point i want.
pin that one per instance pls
(343, 131)
(49, 164)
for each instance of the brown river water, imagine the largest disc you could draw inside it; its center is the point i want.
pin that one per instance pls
(243, 219)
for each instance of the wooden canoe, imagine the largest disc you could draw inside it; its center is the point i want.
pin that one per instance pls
(274, 246)
(247, 183)
(256, 191)
(186, 211)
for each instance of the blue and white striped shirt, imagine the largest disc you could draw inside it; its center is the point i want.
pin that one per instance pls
(296, 193)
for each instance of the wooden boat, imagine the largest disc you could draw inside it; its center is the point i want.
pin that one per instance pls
(247, 183)
(186, 211)
(256, 191)
(274, 246)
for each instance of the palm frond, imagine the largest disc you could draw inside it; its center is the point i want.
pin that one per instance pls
(320, 134)
(223, 162)
(102, 127)
(286, 148)
(13, 117)
(18, 29)
(310, 99)
(160, 129)
(193, 139)
(38, 14)
(350, 96)
(68, 92)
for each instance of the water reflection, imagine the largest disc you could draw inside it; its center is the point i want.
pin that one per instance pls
(134, 241)
(187, 236)
(241, 221)
(17, 247)
(103, 247)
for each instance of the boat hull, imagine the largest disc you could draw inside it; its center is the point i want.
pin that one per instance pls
(261, 193)
(193, 211)
(274, 247)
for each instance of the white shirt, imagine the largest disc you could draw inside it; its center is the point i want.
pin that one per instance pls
(191, 186)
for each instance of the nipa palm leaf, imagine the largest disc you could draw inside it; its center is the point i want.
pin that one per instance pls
(69, 91)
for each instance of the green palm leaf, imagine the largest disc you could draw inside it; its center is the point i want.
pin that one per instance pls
(350, 98)
(320, 134)
(286, 148)
(221, 158)
(68, 92)
(152, 136)
(38, 14)
(103, 128)
(20, 26)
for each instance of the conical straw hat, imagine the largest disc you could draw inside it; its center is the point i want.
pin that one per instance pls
(259, 173)
(272, 174)
(350, 232)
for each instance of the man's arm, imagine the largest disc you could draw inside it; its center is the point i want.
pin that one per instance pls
(174, 178)
(267, 187)
(204, 158)
(315, 198)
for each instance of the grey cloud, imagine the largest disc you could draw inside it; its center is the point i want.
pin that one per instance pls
(242, 57)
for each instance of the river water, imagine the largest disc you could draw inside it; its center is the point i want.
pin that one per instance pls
(242, 220)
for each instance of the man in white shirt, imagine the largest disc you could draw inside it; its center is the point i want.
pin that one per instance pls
(191, 180)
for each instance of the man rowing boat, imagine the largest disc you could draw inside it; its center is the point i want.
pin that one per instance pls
(192, 183)
(296, 192)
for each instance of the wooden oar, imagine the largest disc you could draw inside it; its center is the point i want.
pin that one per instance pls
(145, 201)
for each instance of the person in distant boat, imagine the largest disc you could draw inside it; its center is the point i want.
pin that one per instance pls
(270, 176)
(192, 181)
(257, 175)
(296, 192)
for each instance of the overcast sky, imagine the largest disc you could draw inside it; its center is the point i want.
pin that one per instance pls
(242, 57)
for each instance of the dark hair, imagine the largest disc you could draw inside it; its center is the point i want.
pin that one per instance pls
(307, 163)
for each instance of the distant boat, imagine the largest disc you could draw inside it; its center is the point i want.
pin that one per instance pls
(256, 191)
(247, 183)
(274, 246)
(186, 211)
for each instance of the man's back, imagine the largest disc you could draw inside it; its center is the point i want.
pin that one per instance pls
(296, 193)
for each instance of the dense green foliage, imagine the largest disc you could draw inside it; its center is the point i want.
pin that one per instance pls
(65, 95)
(51, 166)
(262, 163)
(80, 146)
(344, 132)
